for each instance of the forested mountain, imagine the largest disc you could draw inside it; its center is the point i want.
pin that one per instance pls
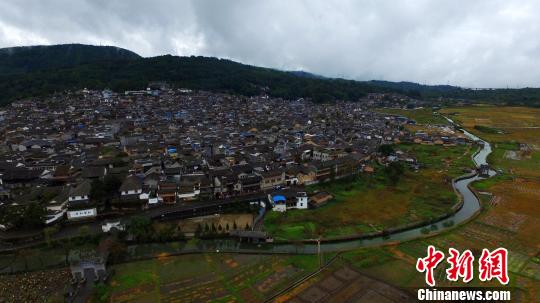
(134, 72)
(522, 96)
(14, 60)
(42, 70)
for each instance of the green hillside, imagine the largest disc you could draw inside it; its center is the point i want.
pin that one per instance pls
(15, 60)
(189, 72)
(42, 70)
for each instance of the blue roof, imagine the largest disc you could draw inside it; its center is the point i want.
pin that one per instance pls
(279, 198)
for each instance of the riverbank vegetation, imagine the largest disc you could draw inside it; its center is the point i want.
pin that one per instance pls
(373, 202)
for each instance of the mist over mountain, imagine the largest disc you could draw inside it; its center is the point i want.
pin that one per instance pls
(42, 70)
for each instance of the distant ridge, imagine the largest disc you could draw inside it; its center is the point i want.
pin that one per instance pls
(304, 74)
(41, 70)
(24, 59)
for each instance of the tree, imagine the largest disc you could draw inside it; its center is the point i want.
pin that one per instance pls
(84, 231)
(112, 184)
(48, 232)
(12, 214)
(139, 227)
(106, 189)
(34, 215)
(117, 250)
(394, 171)
(163, 231)
(101, 293)
(98, 191)
(386, 150)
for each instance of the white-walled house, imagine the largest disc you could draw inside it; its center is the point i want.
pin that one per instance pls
(80, 194)
(279, 203)
(131, 187)
(79, 206)
(301, 200)
(283, 202)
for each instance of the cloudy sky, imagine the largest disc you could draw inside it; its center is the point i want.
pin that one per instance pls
(481, 43)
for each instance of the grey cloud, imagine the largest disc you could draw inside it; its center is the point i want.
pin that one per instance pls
(490, 43)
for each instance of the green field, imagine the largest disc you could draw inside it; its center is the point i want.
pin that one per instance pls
(204, 277)
(369, 203)
(508, 157)
(511, 124)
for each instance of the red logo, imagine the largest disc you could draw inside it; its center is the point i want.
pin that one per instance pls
(490, 265)
(460, 265)
(494, 265)
(429, 263)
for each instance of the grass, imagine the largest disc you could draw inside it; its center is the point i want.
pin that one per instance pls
(367, 257)
(527, 164)
(487, 130)
(518, 124)
(214, 277)
(369, 203)
(486, 184)
(133, 274)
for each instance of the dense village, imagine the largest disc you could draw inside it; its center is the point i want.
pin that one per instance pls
(94, 155)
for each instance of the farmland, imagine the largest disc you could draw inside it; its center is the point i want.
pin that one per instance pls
(205, 277)
(516, 153)
(511, 213)
(497, 225)
(516, 124)
(368, 203)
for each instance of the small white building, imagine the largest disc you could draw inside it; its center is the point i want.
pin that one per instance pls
(107, 226)
(302, 200)
(282, 202)
(79, 206)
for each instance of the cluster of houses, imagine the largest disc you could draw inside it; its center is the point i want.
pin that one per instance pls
(82, 154)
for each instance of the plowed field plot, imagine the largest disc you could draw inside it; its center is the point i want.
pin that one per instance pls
(206, 278)
(347, 285)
